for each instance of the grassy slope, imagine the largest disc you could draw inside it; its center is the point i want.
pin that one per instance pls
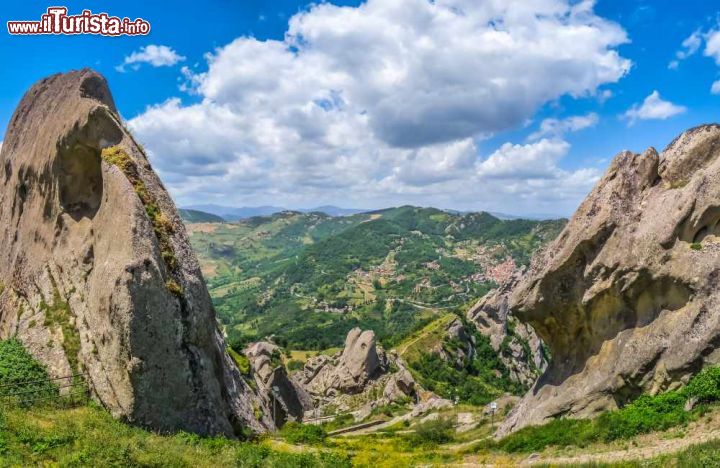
(424, 339)
(88, 436)
(309, 278)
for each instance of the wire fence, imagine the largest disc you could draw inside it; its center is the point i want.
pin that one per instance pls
(69, 390)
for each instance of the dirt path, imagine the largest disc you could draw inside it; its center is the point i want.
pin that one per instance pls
(662, 447)
(643, 447)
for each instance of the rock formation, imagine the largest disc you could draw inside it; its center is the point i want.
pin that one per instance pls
(362, 375)
(627, 297)
(518, 346)
(287, 401)
(350, 371)
(96, 273)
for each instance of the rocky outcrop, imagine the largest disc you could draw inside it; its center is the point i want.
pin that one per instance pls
(348, 372)
(362, 375)
(97, 273)
(626, 297)
(288, 401)
(518, 346)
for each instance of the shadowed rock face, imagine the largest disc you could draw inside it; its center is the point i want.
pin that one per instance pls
(96, 270)
(627, 296)
(288, 400)
(490, 317)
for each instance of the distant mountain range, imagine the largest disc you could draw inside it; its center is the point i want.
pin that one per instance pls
(229, 213)
(196, 216)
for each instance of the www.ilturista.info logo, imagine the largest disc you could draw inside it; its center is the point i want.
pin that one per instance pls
(57, 21)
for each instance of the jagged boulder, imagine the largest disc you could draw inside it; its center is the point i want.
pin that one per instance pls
(359, 361)
(347, 372)
(97, 273)
(401, 385)
(626, 297)
(287, 400)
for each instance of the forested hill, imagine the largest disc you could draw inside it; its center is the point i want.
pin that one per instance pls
(307, 278)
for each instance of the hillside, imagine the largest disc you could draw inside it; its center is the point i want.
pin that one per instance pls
(308, 278)
(197, 216)
(63, 432)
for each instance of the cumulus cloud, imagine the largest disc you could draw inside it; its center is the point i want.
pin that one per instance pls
(532, 161)
(653, 108)
(558, 127)
(155, 55)
(386, 100)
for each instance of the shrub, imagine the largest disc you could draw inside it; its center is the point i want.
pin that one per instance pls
(646, 414)
(696, 246)
(20, 372)
(560, 432)
(436, 431)
(297, 433)
(242, 362)
(294, 364)
(705, 386)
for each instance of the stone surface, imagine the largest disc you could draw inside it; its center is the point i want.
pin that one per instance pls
(523, 356)
(286, 399)
(626, 297)
(347, 372)
(358, 379)
(400, 385)
(97, 273)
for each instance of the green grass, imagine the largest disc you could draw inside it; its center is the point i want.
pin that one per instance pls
(89, 436)
(48, 435)
(434, 432)
(645, 414)
(297, 433)
(701, 455)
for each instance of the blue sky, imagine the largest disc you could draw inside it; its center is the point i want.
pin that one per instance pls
(394, 101)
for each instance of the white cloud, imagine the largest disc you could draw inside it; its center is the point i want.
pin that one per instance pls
(155, 55)
(558, 127)
(715, 88)
(532, 161)
(653, 108)
(384, 101)
(690, 46)
(712, 45)
(604, 95)
(437, 163)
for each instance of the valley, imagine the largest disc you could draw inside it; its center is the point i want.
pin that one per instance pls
(307, 279)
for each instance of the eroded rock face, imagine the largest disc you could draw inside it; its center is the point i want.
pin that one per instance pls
(287, 400)
(523, 353)
(97, 272)
(361, 373)
(347, 372)
(627, 296)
